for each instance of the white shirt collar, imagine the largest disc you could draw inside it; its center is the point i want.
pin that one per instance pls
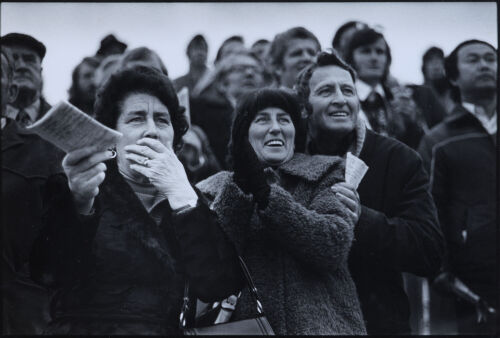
(490, 124)
(363, 89)
(32, 111)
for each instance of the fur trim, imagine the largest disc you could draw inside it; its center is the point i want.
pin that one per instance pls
(313, 168)
(360, 138)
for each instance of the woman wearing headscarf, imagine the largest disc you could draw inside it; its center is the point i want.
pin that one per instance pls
(286, 221)
(118, 241)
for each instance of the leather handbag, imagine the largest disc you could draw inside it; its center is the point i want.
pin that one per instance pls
(254, 326)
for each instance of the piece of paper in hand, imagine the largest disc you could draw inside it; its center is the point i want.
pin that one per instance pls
(68, 128)
(355, 170)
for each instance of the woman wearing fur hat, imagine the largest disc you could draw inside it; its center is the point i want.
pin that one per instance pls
(118, 241)
(290, 227)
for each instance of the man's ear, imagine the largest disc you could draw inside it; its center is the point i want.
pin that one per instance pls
(12, 93)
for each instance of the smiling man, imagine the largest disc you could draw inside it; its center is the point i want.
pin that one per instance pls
(397, 229)
(292, 51)
(27, 54)
(461, 155)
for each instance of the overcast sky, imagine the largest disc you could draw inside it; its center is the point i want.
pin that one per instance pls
(71, 31)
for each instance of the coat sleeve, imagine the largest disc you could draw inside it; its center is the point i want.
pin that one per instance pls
(319, 236)
(320, 239)
(425, 151)
(210, 261)
(408, 238)
(62, 251)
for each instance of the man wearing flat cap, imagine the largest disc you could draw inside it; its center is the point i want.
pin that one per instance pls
(27, 54)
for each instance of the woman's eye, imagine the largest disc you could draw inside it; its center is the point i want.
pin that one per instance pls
(164, 121)
(348, 91)
(284, 120)
(135, 119)
(324, 92)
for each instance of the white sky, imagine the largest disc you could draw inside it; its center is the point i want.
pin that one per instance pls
(71, 31)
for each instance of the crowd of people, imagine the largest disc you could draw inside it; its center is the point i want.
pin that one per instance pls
(249, 164)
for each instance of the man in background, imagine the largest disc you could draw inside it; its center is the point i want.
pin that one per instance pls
(27, 54)
(83, 90)
(290, 52)
(197, 51)
(27, 162)
(435, 78)
(461, 155)
(260, 48)
(236, 75)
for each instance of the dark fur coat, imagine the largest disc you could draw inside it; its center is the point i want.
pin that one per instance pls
(296, 249)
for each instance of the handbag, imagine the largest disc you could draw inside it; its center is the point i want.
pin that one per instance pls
(254, 326)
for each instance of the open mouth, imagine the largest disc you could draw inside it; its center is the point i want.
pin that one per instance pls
(275, 143)
(340, 113)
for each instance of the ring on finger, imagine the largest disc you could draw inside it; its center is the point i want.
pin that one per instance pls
(145, 162)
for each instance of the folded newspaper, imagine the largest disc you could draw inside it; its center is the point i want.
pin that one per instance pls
(355, 170)
(68, 128)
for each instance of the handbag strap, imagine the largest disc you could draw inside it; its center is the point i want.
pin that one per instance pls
(251, 285)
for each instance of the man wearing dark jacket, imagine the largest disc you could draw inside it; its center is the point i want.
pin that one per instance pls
(27, 162)
(461, 154)
(27, 54)
(397, 230)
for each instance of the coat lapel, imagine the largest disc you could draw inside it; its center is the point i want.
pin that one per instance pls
(11, 136)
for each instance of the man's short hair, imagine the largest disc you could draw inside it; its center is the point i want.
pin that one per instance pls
(10, 66)
(24, 40)
(234, 38)
(451, 61)
(143, 53)
(363, 37)
(324, 59)
(340, 31)
(260, 42)
(279, 45)
(431, 53)
(197, 40)
(74, 90)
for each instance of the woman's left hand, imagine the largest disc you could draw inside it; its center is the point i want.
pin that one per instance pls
(163, 169)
